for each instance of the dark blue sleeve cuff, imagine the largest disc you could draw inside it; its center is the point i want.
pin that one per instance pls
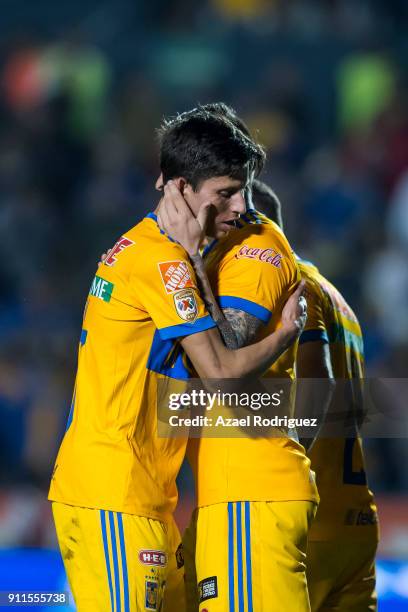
(186, 329)
(313, 335)
(229, 301)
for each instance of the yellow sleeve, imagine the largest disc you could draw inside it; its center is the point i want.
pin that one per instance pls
(257, 275)
(167, 288)
(315, 328)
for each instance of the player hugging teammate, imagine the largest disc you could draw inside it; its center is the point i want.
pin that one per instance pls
(113, 487)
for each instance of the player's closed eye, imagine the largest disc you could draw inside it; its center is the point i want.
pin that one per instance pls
(227, 193)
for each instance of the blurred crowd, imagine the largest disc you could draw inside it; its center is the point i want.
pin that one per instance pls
(324, 87)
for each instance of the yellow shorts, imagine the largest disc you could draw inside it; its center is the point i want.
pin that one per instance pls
(119, 562)
(341, 575)
(249, 557)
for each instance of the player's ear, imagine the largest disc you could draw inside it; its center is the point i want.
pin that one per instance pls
(181, 184)
(159, 183)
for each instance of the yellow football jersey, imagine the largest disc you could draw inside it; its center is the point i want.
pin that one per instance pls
(142, 299)
(253, 269)
(346, 502)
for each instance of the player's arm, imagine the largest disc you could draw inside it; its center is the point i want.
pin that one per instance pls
(313, 396)
(212, 359)
(244, 326)
(237, 328)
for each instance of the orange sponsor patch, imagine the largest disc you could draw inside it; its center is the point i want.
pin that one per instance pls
(175, 275)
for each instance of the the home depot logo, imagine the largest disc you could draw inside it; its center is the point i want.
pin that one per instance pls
(175, 275)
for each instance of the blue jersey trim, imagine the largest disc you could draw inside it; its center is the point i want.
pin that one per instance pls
(239, 559)
(153, 216)
(258, 217)
(231, 557)
(230, 301)
(186, 329)
(106, 549)
(313, 335)
(124, 562)
(245, 218)
(71, 410)
(167, 357)
(209, 247)
(115, 560)
(339, 333)
(248, 554)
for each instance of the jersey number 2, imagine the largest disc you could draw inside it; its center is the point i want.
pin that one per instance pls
(350, 477)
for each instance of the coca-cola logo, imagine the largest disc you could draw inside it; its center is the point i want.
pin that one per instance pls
(269, 255)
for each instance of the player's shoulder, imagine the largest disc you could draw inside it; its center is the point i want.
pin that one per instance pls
(140, 252)
(322, 290)
(339, 303)
(316, 284)
(256, 231)
(309, 273)
(261, 243)
(149, 243)
(260, 228)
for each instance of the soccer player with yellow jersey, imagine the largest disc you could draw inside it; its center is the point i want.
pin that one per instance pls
(246, 546)
(344, 535)
(113, 487)
(256, 497)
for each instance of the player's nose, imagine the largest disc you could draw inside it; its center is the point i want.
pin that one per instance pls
(238, 203)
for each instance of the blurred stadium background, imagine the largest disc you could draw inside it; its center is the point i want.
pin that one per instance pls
(83, 86)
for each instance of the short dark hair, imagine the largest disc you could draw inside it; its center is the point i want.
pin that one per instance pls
(200, 144)
(220, 108)
(267, 202)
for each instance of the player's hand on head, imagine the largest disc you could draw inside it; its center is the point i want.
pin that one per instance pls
(103, 257)
(176, 219)
(294, 313)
